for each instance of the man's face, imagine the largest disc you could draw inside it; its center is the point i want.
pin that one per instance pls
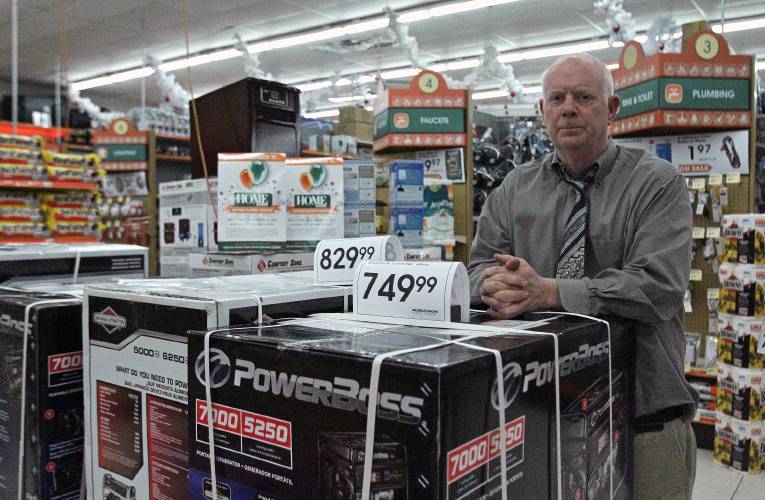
(575, 109)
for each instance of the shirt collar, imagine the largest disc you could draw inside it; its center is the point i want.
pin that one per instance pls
(602, 165)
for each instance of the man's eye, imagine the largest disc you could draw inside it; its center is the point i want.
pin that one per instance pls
(555, 98)
(586, 97)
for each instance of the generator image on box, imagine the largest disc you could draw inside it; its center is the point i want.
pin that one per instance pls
(289, 406)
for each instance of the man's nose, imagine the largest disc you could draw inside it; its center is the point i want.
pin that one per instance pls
(569, 105)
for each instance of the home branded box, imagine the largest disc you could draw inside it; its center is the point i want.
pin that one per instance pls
(253, 192)
(41, 407)
(289, 406)
(738, 339)
(314, 201)
(743, 238)
(81, 263)
(135, 338)
(187, 220)
(232, 264)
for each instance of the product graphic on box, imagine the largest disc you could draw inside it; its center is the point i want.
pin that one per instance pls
(203, 265)
(742, 289)
(57, 263)
(743, 238)
(314, 202)
(46, 400)
(289, 406)
(253, 192)
(136, 373)
(738, 340)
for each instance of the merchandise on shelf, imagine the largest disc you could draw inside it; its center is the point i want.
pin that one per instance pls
(162, 120)
(739, 338)
(136, 371)
(359, 182)
(743, 238)
(438, 216)
(203, 265)
(359, 220)
(742, 289)
(738, 444)
(45, 401)
(436, 406)
(21, 141)
(739, 393)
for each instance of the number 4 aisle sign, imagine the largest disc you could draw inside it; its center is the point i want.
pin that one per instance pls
(334, 261)
(435, 291)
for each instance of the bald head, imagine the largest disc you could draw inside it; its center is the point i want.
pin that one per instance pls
(604, 74)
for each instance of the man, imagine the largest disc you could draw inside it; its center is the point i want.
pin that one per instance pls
(601, 230)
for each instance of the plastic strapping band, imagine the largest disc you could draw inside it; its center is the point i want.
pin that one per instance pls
(27, 333)
(77, 257)
(610, 402)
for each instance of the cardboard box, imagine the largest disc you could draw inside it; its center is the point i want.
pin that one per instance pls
(252, 201)
(187, 216)
(174, 265)
(203, 265)
(295, 395)
(742, 289)
(320, 142)
(362, 131)
(360, 220)
(738, 339)
(136, 357)
(355, 114)
(314, 201)
(743, 238)
(56, 263)
(359, 181)
(52, 395)
(739, 392)
(406, 182)
(344, 144)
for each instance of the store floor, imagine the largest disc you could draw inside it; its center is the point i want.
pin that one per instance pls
(715, 482)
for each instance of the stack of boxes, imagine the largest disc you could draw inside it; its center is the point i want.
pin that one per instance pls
(406, 202)
(360, 196)
(356, 122)
(739, 428)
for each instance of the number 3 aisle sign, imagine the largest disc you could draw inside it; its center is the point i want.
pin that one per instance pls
(412, 290)
(335, 260)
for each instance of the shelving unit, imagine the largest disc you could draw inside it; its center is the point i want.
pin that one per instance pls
(52, 185)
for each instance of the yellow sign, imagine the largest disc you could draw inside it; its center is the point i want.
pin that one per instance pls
(696, 274)
(707, 46)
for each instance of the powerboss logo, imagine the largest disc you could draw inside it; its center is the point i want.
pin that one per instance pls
(220, 368)
(109, 320)
(517, 380)
(340, 393)
(253, 200)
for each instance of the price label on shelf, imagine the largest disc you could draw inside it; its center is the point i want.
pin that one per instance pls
(334, 261)
(713, 232)
(413, 290)
(715, 179)
(696, 275)
(698, 233)
(698, 184)
(713, 293)
(734, 178)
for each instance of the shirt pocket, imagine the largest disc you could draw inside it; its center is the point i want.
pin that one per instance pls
(608, 253)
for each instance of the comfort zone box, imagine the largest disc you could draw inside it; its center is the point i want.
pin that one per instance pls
(290, 407)
(136, 356)
(233, 264)
(187, 215)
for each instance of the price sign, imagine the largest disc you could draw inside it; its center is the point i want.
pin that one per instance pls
(696, 275)
(715, 179)
(698, 232)
(698, 184)
(334, 261)
(713, 232)
(733, 178)
(413, 290)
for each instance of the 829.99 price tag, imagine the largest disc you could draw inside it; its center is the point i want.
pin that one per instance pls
(334, 261)
(435, 291)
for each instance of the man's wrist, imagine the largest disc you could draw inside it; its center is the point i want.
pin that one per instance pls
(552, 294)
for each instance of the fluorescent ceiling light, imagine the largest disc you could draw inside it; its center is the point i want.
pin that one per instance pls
(122, 76)
(559, 50)
(326, 113)
(642, 38)
(307, 87)
(759, 65)
(220, 55)
(448, 9)
(399, 73)
(489, 94)
(374, 24)
(612, 66)
(352, 98)
(532, 89)
(749, 24)
(415, 15)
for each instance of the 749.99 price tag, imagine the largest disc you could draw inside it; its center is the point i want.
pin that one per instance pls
(334, 261)
(434, 291)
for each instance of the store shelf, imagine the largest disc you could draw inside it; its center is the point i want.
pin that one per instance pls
(166, 157)
(323, 154)
(178, 138)
(700, 373)
(69, 186)
(79, 147)
(6, 127)
(68, 239)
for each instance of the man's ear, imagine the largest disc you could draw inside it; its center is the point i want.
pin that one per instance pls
(613, 107)
(541, 106)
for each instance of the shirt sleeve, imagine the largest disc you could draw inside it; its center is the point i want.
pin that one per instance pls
(492, 235)
(652, 281)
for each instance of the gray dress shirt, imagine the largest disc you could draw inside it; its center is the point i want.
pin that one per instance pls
(637, 258)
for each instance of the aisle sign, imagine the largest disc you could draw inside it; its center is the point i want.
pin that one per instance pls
(412, 290)
(334, 261)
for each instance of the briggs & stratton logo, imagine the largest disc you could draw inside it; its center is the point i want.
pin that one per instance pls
(262, 265)
(220, 368)
(110, 320)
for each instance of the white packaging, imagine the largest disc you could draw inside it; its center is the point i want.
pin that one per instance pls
(173, 265)
(187, 216)
(136, 371)
(344, 144)
(359, 181)
(252, 201)
(233, 264)
(314, 201)
(320, 142)
(360, 220)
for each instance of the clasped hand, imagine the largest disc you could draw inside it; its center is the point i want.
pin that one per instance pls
(512, 287)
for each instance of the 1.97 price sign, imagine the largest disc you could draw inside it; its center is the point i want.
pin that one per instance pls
(414, 290)
(334, 261)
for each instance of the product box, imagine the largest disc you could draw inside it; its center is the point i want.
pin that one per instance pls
(406, 182)
(136, 356)
(45, 401)
(174, 265)
(438, 217)
(739, 444)
(743, 238)
(742, 289)
(739, 392)
(344, 144)
(355, 114)
(361, 131)
(320, 142)
(723, 441)
(290, 412)
(427, 253)
(58, 263)
(203, 265)
(359, 181)
(253, 192)
(314, 201)
(739, 337)
(187, 216)
(360, 220)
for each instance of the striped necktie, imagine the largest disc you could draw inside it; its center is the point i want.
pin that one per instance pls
(571, 258)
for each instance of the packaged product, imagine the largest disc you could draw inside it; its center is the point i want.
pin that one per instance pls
(70, 174)
(748, 402)
(253, 193)
(17, 199)
(315, 207)
(23, 156)
(21, 172)
(438, 220)
(20, 214)
(724, 439)
(747, 446)
(69, 200)
(738, 340)
(16, 230)
(360, 220)
(359, 181)
(407, 182)
(60, 229)
(726, 388)
(742, 289)
(406, 223)
(20, 141)
(743, 238)
(59, 214)
(71, 160)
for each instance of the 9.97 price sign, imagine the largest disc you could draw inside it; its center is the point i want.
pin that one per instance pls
(334, 261)
(414, 290)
